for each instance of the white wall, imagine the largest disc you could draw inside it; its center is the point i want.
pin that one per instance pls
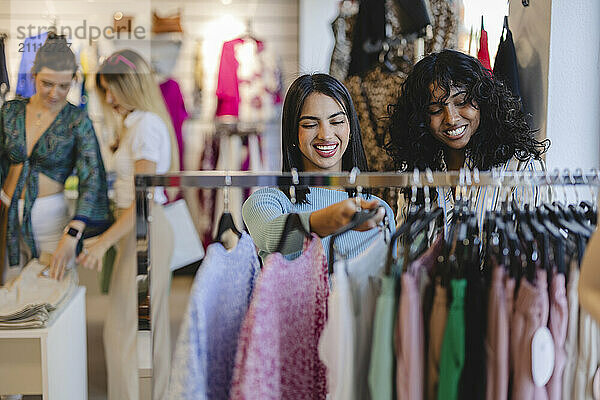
(558, 49)
(574, 81)
(211, 21)
(316, 36)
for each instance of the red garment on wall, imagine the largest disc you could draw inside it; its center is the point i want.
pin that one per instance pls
(483, 54)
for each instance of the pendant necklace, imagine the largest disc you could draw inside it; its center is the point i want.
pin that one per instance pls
(38, 122)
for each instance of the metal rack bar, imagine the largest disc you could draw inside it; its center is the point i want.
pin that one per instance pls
(216, 179)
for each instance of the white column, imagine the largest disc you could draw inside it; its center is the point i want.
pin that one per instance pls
(316, 36)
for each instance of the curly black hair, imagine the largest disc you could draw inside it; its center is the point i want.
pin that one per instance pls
(503, 131)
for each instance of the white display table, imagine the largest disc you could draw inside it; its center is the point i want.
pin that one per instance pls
(51, 361)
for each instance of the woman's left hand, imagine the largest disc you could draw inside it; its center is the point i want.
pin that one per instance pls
(91, 256)
(64, 252)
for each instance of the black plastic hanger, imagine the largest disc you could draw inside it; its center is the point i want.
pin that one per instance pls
(491, 245)
(529, 243)
(226, 223)
(506, 245)
(579, 214)
(590, 212)
(413, 214)
(545, 218)
(504, 29)
(292, 222)
(449, 267)
(358, 219)
(562, 218)
(517, 263)
(572, 223)
(541, 236)
(422, 222)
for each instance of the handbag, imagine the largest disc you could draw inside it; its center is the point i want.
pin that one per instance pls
(187, 247)
(166, 24)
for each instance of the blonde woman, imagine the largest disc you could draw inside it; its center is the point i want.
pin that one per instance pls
(145, 145)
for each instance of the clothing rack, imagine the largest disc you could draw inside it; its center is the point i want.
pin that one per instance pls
(355, 179)
(216, 179)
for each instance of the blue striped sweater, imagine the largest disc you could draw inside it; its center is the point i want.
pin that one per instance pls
(265, 214)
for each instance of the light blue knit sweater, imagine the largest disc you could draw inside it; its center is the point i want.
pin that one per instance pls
(266, 210)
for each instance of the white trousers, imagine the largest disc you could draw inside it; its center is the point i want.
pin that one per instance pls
(49, 216)
(120, 328)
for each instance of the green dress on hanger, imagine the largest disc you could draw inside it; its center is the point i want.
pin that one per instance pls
(452, 358)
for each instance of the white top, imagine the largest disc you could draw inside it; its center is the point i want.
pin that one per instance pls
(337, 342)
(146, 137)
(345, 344)
(364, 274)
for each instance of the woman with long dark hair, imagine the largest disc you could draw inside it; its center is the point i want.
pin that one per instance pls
(452, 114)
(320, 133)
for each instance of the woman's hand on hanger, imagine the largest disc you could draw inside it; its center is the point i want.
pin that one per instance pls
(328, 220)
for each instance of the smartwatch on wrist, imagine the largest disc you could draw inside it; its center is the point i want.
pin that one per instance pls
(74, 232)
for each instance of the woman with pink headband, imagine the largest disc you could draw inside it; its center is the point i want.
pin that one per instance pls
(145, 144)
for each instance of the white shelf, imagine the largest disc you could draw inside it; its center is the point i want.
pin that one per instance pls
(51, 361)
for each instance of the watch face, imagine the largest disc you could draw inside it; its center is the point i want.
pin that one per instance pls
(73, 232)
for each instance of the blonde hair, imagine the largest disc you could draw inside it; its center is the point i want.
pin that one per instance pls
(131, 80)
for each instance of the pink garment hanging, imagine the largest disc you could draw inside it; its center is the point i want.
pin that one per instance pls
(559, 316)
(176, 108)
(498, 331)
(410, 351)
(277, 355)
(249, 82)
(228, 94)
(437, 326)
(530, 314)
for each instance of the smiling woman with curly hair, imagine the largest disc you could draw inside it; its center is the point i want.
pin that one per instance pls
(453, 114)
(451, 107)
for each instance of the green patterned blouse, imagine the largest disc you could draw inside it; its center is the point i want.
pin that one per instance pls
(68, 144)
